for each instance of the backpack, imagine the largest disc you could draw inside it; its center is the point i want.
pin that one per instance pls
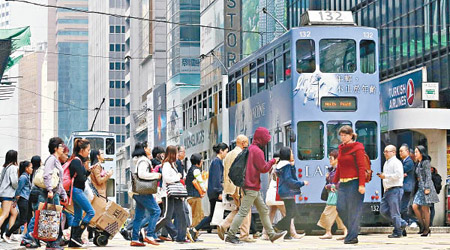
(67, 180)
(437, 180)
(368, 172)
(238, 168)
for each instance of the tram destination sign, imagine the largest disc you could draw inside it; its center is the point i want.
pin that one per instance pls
(338, 104)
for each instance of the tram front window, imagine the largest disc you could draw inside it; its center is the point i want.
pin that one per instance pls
(96, 143)
(110, 146)
(306, 56)
(367, 135)
(333, 139)
(310, 140)
(367, 54)
(337, 55)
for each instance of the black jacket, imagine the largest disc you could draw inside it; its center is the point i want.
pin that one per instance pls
(77, 166)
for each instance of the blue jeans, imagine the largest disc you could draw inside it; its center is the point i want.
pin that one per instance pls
(35, 206)
(349, 206)
(145, 202)
(80, 204)
(390, 208)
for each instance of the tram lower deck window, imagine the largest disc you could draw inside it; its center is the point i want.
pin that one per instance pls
(310, 144)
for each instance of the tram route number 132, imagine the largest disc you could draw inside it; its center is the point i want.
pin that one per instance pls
(330, 16)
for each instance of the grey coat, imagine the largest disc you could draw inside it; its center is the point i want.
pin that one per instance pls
(9, 181)
(423, 173)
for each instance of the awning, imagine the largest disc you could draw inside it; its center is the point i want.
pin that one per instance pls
(415, 118)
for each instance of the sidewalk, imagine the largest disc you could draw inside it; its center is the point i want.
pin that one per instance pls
(15, 246)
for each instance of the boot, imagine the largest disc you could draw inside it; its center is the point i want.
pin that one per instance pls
(75, 237)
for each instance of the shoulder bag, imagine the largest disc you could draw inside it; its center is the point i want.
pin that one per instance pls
(177, 189)
(38, 179)
(141, 186)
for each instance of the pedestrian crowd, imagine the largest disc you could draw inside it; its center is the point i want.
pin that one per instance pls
(168, 196)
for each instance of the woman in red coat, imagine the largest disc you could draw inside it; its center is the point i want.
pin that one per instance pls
(351, 175)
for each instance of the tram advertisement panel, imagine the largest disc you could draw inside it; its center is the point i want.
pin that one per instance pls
(271, 109)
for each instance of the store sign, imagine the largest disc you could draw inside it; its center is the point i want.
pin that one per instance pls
(430, 91)
(404, 91)
(232, 26)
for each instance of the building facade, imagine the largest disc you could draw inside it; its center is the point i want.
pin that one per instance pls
(71, 44)
(107, 69)
(183, 62)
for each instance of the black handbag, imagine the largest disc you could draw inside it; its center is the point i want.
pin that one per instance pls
(141, 186)
(324, 194)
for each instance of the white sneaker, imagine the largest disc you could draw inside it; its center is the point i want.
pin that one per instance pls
(16, 237)
(7, 239)
(413, 225)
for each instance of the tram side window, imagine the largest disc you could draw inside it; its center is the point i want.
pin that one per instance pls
(279, 70)
(337, 55)
(205, 109)
(287, 65)
(367, 54)
(310, 140)
(238, 90)
(253, 83)
(232, 94)
(367, 134)
(269, 74)
(306, 56)
(333, 139)
(110, 146)
(220, 101)
(261, 79)
(246, 86)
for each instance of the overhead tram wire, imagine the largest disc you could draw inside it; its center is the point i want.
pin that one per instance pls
(133, 17)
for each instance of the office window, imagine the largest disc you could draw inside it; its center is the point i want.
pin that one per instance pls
(118, 137)
(117, 65)
(123, 29)
(111, 84)
(111, 120)
(117, 47)
(123, 138)
(111, 102)
(123, 102)
(123, 47)
(117, 119)
(117, 84)
(117, 102)
(111, 47)
(123, 120)
(111, 29)
(117, 29)
(123, 84)
(111, 66)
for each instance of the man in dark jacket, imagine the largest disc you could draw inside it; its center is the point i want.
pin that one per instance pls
(256, 165)
(408, 182)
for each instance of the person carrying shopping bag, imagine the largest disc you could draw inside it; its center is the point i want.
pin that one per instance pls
(330, 214)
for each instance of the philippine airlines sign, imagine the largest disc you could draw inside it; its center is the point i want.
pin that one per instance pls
(404, 91)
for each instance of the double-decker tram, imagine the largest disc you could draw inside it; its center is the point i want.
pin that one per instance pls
(303, 87)
(106, 142)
